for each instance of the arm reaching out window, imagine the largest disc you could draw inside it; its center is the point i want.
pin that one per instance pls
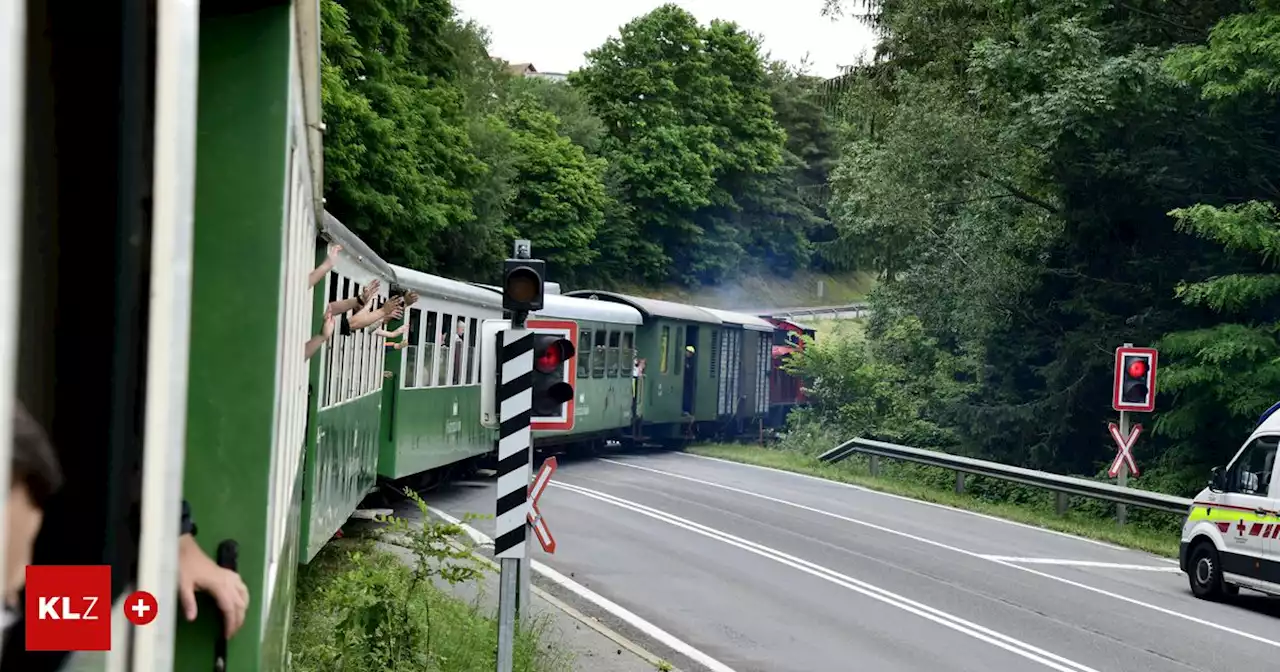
(325, 266)
(325, 334)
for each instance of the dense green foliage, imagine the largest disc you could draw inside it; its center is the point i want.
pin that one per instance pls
(1039, 183)
(678, 153)
(1035, 184)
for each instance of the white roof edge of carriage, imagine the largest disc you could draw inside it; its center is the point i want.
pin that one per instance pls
(435, 285)
(743, 320)
(574, 308)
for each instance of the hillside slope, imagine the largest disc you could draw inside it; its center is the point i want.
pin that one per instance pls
(757, 292)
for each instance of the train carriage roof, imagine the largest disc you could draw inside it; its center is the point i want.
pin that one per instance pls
(434, 286)
(338, 233)
(651, 307)
(748, 322)
(575, 308)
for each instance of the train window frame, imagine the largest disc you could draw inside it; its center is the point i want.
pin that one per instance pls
(410, 365)
(355, 384)
(473, 357)
(627, 356)
(613, 356)
(664, 343)
(431, 330)
(458, 358)
(444, 350)
(584, 352)
(599, 352)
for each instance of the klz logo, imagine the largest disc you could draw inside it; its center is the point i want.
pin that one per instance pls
(68, 608)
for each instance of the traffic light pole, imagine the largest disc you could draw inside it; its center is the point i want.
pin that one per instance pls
(515, 455)
(1122, 477)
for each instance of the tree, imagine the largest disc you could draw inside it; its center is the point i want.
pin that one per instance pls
(560, 198)
(1223, 375)
(398, 165)
(689, 126)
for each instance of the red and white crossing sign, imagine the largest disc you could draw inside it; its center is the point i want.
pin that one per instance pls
(535, 516)
(1124, 452)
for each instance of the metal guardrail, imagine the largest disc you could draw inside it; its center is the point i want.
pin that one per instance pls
(1064, 485)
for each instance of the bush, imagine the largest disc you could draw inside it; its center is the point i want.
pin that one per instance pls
(360, 609)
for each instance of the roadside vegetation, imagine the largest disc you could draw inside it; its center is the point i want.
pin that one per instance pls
(362, 609)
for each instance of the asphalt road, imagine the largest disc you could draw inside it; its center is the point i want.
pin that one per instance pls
(774, 572)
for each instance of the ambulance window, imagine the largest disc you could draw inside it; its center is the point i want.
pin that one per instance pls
(1251, 474)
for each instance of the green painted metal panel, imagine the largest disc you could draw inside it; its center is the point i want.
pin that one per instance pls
(239, 219)
(704, 408)
(432, 427)
(661, 390)
(345, 466)
(275, 640)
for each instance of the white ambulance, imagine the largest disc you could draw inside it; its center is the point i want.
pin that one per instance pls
(1231, 538)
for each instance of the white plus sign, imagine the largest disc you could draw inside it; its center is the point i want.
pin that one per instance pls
(141, 608)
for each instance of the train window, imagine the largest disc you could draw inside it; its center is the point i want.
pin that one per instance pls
(598, 355)
(665, 346)
(427, 357)
(333, 286)
(459, 350)
(628, 356)
(584, 353)
(412, 351)
(473, 328)
(615, 338)
(444, 359)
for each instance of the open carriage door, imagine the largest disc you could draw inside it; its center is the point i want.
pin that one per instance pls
(86, 287)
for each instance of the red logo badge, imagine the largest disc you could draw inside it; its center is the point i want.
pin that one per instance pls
(140, 608)
(68, 608)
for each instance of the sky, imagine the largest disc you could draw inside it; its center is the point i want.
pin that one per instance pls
(554, 34)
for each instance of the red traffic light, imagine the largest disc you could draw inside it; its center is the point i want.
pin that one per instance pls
(554, 356)
(1137, 368)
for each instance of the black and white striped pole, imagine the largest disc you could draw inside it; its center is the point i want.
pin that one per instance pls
(522, 290)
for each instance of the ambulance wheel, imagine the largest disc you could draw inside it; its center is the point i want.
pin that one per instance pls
(1205, 572)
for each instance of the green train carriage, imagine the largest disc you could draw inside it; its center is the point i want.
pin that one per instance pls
(674, 403)
(605, 355)
(741, 367)
(344, 439)
(257, 207)
(431, 409)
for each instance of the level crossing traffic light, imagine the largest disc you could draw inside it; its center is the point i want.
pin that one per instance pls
(522, 285)
(551, 354)
(1135, 380)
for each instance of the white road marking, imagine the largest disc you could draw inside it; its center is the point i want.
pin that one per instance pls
(601, 601)
(1010, 644)
(954, 549)
(860, 488)
(1081, 563)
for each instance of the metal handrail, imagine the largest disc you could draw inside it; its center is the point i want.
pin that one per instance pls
(1068, 485)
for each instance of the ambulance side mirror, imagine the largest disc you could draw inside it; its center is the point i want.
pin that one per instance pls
(1216, 481)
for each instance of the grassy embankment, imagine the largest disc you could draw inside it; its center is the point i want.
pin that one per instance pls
(1153, 532)
(359, 609)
